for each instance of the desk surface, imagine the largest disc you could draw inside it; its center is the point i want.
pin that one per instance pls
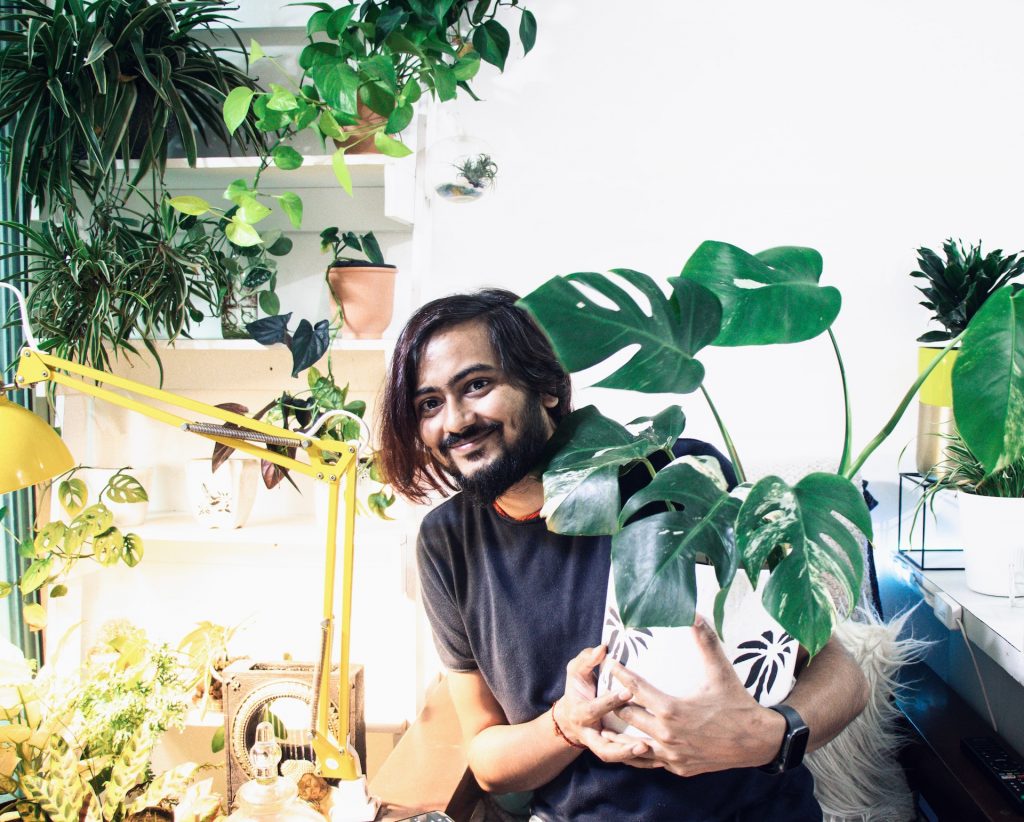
(427, 770)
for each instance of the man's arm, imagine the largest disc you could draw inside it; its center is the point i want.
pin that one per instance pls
(723, 726)
(522, 757)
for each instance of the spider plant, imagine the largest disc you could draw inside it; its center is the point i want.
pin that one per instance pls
(83, 84)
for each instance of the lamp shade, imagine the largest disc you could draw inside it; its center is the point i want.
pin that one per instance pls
(31, 451)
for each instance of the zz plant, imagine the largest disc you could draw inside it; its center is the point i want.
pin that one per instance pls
(808, 534)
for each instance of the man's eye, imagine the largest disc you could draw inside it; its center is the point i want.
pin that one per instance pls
(428, 405)
(476, 385)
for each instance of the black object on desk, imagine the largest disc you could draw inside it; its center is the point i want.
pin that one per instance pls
(1000, 764)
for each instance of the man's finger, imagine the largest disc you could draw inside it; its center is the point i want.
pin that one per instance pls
(643, 692)
(594, 709)
(579, 671)
(608, 751)
(711, 649)
(639, 718)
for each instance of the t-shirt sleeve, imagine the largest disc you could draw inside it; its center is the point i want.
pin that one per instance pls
(437, 583)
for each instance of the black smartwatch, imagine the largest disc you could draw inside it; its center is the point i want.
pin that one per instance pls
(794, 743)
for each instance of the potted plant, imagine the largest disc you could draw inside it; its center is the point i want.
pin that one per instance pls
(364, 68)
(305, 411)
(991, 506)
(79, 748)
(55, 548)
(474, 176)
(806, 536)
(362, 288)
(954, 290)
(85, 84)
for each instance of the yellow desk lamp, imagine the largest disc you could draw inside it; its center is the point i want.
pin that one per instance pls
(33, 453)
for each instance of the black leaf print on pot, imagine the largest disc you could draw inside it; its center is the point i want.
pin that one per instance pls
(623, 643)
(767, 657)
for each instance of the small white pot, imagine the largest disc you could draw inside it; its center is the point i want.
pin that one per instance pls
(126, 514)
(993, 543)
(763, 654)
(223, 498)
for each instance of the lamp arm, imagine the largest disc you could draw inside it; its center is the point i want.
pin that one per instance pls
(317, 424)
(35, 366)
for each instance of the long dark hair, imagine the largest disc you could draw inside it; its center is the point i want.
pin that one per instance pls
(523, 352)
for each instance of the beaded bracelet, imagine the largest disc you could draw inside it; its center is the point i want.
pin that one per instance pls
(559, 732)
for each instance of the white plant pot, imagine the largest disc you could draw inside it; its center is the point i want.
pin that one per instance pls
(222, 498)
(126, 514)
(763, 654)
(993, 543)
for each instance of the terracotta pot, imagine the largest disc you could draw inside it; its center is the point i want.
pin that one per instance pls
(365, 294)
(367, 118)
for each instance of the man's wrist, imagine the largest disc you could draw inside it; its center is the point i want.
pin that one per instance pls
(558, 723)
(774, 735)
(790, 753)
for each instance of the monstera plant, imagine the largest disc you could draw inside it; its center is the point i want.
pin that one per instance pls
(808, 534)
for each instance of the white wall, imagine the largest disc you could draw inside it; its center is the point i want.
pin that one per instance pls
(635, 131)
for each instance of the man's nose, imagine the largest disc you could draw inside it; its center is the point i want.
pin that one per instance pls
(458, 417)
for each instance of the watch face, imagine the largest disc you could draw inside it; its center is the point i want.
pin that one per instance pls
(796, 748)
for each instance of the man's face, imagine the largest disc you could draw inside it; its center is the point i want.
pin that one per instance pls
(486, 431)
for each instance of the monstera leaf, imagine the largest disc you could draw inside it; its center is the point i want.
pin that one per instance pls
(988, 381)
(581, 479)
(767, 298)
(820, 521)
(585, 332)
(653, 558)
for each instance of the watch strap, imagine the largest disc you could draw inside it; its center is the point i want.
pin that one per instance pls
(794, 742)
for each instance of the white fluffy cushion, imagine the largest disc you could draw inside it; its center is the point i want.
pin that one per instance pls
(856, 775)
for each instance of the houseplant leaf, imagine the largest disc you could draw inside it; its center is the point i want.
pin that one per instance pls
(819, 523)
(653, 558)
(73, 495)
(988, 381)
(125, 488)
(585, 332)
(769, 298)
(581, 480)
(309, 344)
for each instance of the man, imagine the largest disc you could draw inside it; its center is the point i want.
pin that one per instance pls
(473, 395)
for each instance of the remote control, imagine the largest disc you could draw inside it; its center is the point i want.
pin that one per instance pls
(1000, 763)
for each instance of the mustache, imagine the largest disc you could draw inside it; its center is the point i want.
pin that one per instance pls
(469, 433)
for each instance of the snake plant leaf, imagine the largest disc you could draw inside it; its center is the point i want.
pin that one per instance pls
(653, 558)
(988, 381)
(769, 298)
(585, 333)
(822, 520)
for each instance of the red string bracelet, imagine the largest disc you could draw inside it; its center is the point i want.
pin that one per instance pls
(559, 732)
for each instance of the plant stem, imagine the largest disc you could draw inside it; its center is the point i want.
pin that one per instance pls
(844, 460)
(733, 455)
(897, 415)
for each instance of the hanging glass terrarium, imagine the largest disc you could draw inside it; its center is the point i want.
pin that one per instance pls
(460, 170)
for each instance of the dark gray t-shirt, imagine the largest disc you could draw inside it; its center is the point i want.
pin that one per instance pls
(517, 602)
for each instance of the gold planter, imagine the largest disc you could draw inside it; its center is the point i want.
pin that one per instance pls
(935, 423)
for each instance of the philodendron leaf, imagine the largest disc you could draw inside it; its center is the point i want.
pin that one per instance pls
(309, 344)
(988, 381)
(768, 298)
(653, 558)
(125, 488)
(269, 330)
(585, 332)
(581, 478)
(820, 523)
(73, 494)
(236, 106)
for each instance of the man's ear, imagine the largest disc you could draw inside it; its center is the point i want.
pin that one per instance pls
(549, 400)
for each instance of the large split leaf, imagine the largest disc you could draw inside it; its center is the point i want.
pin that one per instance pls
(988, 381)
(581, 479)
(585, 333)
(653, 558)
(768, 298)
(819, 523)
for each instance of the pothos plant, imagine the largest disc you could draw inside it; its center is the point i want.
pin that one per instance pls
(299, 411)
(808, 534)
(55, 548)
(365, 66)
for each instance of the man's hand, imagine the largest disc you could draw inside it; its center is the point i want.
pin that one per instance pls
(579, 711)
(719, 727)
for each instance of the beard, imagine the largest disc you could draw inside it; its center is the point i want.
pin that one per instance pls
(485, 486)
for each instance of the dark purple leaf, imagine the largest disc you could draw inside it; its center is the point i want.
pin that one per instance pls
(270, 330)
